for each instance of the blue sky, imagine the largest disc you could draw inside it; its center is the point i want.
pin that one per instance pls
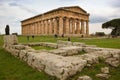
(14, 11)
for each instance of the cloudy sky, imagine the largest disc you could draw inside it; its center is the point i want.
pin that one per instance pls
(14, 11)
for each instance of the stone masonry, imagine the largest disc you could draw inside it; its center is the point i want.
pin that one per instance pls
(64, 61)
(64, 20)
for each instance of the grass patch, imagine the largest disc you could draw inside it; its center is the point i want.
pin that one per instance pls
(82, 52)
(12, 68)
(105, 43)
(95, 69)
(42, 48)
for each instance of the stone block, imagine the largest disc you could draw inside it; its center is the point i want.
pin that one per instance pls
(84, 78)
(53, 45)
(64, 42)
(10, 40)
(103, 76)
(78, 44)
(113, 62)
(105, 70)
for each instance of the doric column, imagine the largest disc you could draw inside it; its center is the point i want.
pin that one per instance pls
(70, 26)
(44, 27)
(55, 25)
(60, 25)
(67, 26)
(50, 27)
(78, 26)
(27, 29)
(82, 26)
(36, 28)
(87, 28)
(33, 28)
(22, 29)
(47, 28)
(73, 26)
(39, 27)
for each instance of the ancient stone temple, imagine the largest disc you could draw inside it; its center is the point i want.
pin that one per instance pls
(64, 20)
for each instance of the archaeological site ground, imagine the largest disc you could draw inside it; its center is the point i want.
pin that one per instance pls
(50, 58)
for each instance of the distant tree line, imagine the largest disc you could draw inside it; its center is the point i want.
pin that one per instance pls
(114, 25)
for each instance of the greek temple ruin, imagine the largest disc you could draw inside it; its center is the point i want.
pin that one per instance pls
(64, 20)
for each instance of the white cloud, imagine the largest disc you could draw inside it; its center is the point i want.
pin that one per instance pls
(13, 11)
(96, 27)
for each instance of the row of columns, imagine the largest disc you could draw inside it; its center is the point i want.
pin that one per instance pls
(58, 25)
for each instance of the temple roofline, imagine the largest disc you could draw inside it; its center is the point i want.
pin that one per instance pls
(60, 8)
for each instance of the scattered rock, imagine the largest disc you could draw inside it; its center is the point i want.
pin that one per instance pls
(103, 76)
(105, 70)
(113, 62)
(84, 78)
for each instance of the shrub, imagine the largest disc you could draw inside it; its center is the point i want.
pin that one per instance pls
(7, 30)
(100, 34)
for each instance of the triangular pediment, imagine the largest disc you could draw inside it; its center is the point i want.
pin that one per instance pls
(74, 9)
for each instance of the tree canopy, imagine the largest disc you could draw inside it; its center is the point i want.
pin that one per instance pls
(7, 30)
(114, 25)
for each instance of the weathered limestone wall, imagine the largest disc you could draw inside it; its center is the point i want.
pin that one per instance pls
(61, 64)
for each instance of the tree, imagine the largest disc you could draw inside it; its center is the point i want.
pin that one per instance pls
(114, 25)
(7, 30)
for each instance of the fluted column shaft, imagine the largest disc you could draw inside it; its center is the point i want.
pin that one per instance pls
(67, 26)
(33, 30)
(40, 27)
(78, 26)
(73, 26)
(60, 25)
(50, 26)
(47, 26)
(87, 28)
(55, 26)
(82, 27)
(44, 27)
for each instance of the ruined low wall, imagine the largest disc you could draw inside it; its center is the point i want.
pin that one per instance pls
(63, 61)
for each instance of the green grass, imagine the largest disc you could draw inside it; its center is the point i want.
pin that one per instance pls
(42, 48)
(105, 43)
(95, 69)
(23, 39)
(12, 68)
